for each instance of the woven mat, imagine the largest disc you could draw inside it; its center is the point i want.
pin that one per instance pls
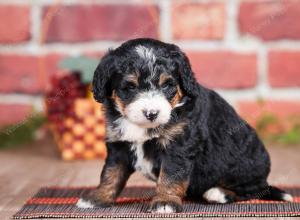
(57, 202)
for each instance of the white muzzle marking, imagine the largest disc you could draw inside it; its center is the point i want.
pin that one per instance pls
(147, 102)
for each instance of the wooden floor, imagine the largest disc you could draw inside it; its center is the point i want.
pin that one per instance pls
(25, 169)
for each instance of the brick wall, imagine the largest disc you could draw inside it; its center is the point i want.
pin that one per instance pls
(246, 49)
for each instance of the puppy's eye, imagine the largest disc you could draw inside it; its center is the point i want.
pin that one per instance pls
(168, 84)
(129, 87)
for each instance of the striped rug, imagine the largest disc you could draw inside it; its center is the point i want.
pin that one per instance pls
(59, 202)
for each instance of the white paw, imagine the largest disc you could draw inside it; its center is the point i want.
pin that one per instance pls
(164, 209)
(215, 195)
(84, 204)
(287, 197)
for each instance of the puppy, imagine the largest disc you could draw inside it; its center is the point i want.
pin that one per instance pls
(188, 139)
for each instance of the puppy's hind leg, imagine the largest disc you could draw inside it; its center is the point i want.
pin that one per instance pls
(219, 195)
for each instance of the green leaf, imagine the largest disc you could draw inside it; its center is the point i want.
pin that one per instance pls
(265, 120)
(290, 137)
(85, 65)
(22, 132)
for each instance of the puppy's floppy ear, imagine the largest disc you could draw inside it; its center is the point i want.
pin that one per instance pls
(187, 80)
(102, 76)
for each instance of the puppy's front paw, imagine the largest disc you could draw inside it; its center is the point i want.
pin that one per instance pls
(161, 206)
(92, 200)
(85, 204)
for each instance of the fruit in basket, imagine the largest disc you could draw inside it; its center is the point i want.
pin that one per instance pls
(76, 120)
(69, 122)
(78, 146)
(89, 138)
(61, 97)
(90, 121)
(78, 129)
(67, 138)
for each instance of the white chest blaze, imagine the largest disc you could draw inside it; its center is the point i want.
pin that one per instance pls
(142, 164)
(128, 131)
(131, 132)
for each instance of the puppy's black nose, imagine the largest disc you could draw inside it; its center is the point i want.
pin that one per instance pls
(151, 115)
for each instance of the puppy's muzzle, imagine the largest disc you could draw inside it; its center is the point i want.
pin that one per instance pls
(151, 115)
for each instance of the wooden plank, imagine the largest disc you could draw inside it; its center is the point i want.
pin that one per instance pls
(24, 170)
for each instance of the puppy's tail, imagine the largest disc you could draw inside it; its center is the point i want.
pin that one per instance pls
(274, 193)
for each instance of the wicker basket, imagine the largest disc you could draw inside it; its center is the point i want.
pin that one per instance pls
(81, 136)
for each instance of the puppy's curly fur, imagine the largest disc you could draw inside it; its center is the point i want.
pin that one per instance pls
(186, 138)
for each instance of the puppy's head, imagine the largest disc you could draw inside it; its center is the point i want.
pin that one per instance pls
(145, 79)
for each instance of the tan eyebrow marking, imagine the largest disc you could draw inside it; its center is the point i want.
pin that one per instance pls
(176, 99)
(133, 78)
(163, 78)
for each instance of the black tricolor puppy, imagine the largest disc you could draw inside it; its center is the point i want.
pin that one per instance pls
(185, 137)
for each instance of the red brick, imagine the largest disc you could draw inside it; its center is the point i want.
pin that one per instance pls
(284, 68)
(102, 22)
(198, 21)
(20, 73)
(14, 113)
(224, 69)
(253, 111)
(270, 20)
(14, 24)
(95, 54)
